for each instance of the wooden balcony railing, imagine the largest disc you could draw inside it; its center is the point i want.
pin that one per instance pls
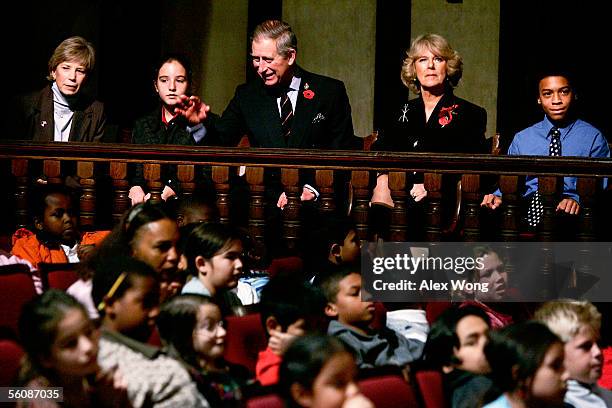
(111, 160)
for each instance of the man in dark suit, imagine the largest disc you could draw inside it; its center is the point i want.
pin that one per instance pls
(320, 114)
(285, 106)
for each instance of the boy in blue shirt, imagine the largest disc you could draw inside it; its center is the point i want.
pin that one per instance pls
(576, 138)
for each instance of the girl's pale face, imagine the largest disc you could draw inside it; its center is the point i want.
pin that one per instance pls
(224, 269)
(74, 353)
(549, 381)
(209, 333)
(171, 82)
(334, 384)
(69, 76)
(430, 70)
(583, 357)
(494, 275)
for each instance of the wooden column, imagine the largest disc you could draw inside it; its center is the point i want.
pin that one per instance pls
(254, 177)
(19, 168)
(87, 202)
(398, 224)
(325, 186)
(547, 188)
(220, 176)
(51, 170)
(121, 201)
(152, 174)
(547, 273)
(291, 213)
(433, 185)
(360, 181)
(587, 186)
(511, 214)
(471, 198)
(185, 173)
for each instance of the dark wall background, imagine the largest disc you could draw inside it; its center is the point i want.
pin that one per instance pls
(392, 41)
(533, 34)
(127, 37)
(125, 34)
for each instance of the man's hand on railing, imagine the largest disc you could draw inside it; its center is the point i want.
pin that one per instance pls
(491, 201)
(137, 195)
(282, 201)
(418, 192)
(569, 206)
(193, 109)
(307, 195)
(167, 193)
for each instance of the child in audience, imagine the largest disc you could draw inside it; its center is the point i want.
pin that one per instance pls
(527, 365)
(56, 237)
(578, 324)
(500, 301)
(191, 327)
(455, 346)
(127, 294)
(148, 232)
(351, 320)
(214, 258)
(196, 208)
(61, 346)
(289, 308)
(333, 243)
(318, 371)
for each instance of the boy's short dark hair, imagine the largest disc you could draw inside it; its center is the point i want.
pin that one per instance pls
(547, 70)
(330, 281)
(555, 69)
(195, 202)
(40, 193)
(332, 229)
(288, 299)
(442, 338)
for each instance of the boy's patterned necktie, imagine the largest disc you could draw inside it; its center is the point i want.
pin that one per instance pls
(534, 213)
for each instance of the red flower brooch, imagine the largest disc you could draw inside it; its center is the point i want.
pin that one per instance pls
(308, 93)
(446, 115)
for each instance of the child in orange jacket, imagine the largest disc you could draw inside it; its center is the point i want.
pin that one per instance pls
(56, 238)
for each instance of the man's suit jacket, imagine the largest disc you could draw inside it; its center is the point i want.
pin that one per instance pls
(35, 121)
(322, 115)
(322, 120)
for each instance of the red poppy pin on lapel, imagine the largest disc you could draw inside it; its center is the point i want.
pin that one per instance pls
(308, 93)
(446, 115)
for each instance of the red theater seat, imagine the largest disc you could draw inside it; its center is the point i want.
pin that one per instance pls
(265, 401)
(431, 389)
(245, 338)
(10, 361)
(16, 288)
(435, 309)
(289, 266)
(388, 391)
(58, 275)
